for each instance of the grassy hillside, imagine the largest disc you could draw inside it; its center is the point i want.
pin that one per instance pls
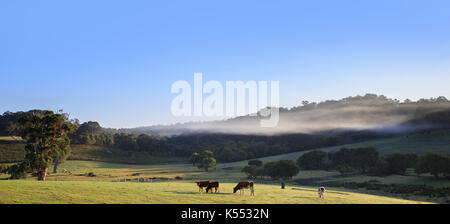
(114, 155)
(12, 150)
(174, 192)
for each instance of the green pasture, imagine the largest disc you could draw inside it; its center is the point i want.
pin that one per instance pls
(170, 192)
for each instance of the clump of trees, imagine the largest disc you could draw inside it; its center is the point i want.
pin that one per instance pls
(435, 163)
(282, 169)
(398, 163)
(254, 169)
(195, 158)
(91, 133)
(204, 160)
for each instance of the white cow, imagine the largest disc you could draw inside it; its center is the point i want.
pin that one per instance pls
(322, 192)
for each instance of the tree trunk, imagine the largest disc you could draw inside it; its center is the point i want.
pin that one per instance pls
(55, 167)
(42, 174)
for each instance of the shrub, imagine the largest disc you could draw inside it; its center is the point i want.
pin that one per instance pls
(18, 171)
(3, 168)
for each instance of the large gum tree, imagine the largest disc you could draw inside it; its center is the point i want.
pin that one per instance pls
(46, 140)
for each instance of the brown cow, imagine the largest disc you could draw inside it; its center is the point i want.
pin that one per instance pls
(212, 185)
(245, 185)
(202, 184)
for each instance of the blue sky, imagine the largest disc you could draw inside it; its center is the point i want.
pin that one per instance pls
(115, 61)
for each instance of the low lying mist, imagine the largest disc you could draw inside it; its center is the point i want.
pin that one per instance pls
(372, 112)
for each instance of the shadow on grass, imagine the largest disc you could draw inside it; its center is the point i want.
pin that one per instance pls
(332, 192)
(198, 193)
(304, 197)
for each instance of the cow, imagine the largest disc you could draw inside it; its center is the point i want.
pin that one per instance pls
(322, 192)
(245, 185)
(202, 184)
(212, 185)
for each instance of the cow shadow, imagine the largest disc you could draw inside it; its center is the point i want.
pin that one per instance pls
(192, 193)
(332, 192)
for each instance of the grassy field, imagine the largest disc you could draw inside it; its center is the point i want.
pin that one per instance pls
(173, 192)
(161, 186)
(11, 152)
(395, 179)
(171, 181)
(79, 171)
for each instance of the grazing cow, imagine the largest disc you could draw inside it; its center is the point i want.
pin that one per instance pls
(202, 184)
(245, 185)
(322, 192)
(212, 185)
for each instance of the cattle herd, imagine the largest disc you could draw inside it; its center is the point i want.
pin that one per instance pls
(241, 186)
(210, 185)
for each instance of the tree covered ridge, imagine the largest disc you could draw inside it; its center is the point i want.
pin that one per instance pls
(230, 147)
(352, 113)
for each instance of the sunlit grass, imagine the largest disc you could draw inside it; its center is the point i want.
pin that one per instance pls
(173, 192)
(10, 138)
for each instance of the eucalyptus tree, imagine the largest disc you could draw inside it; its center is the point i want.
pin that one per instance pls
(46, 141)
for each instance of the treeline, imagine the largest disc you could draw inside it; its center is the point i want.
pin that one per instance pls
(226, 147)
(368, 161)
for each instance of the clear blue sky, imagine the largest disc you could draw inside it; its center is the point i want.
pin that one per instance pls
(114, 61)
